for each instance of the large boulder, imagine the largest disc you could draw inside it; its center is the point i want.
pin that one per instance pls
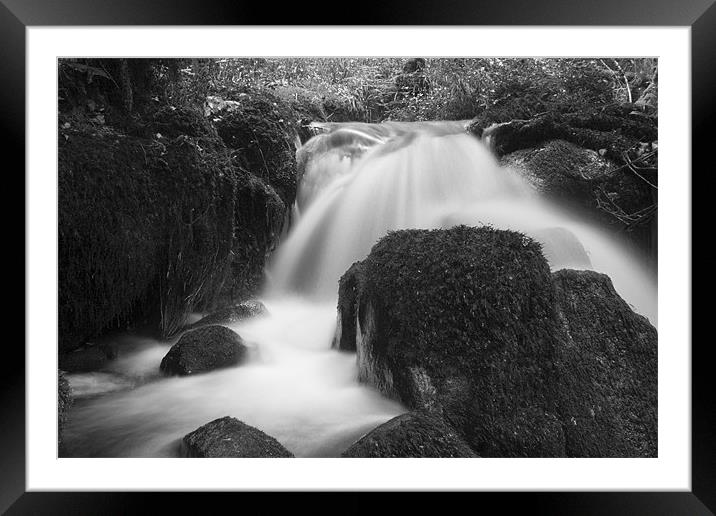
(204, 349)
(460, 323)
(469, 325)
(184, 219)
(232, 314)
(229, 437)
(607, 364)
(411, 435)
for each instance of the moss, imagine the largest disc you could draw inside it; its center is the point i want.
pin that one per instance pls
(262, 131)
(204, 349)
(593, 130)
(462, 321)
(155, 225)
(411, 435)
(229, 437)
(607, 364)
(469, 325)
(494, 285)
(581, 178)
(171, 121)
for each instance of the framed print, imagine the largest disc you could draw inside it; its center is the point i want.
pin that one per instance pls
(425, 251)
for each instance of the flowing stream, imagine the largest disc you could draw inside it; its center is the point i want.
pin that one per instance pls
(360, 181)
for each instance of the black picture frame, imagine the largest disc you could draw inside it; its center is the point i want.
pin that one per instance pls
(17, 15)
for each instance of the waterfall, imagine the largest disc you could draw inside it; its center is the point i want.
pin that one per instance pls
(363, 180)
(360, 181)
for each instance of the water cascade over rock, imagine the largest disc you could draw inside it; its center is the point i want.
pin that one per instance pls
(357, 182)
(362, 180)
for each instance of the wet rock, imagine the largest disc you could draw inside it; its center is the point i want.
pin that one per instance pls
(204, 349)
(345, 335)
(586, 181)
(460, 323)
(607, 363)
(232, 314)
(411, 435)
(229, 437)
(469, 325)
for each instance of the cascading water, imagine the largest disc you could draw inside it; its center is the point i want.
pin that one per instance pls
(360, 181)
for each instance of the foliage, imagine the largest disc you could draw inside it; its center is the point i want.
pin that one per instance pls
(371, 89)
(375, 89)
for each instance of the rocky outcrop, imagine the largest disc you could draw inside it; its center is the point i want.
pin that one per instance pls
(581, 178)
(469, 325)
(411, 435)
(607, 370)
(204, 349)
(186, 222)
(64, 402)
(603, 161)
(229, 437)
(460, 323)
(232, 314)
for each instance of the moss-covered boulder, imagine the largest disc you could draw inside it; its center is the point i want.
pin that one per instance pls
(156, 224)
(469, 325)
(607, 363)
(411, 435)
(460, 322)
(229, 437)
(204, 349)
(64, 402)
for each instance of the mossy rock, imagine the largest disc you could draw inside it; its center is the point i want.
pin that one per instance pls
(155, 220)
(204, 349)
(580, 178)
(411, 435)
(229, 437)
(469, 325)
(460, 322)
(607, 363)
(262, 130)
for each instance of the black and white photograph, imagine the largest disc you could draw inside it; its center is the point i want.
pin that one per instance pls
(358, 257)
